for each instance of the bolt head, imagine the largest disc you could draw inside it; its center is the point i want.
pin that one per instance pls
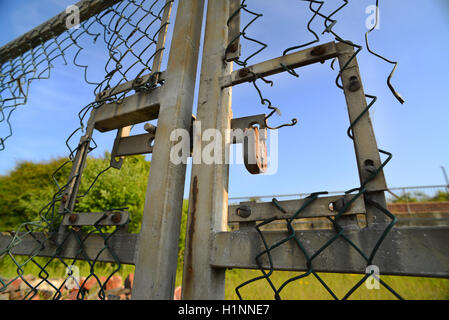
(116, 217)
(233, 47)
(318, 51)
(244, 211)
(73, 218)
(243, 72)
(354, 84)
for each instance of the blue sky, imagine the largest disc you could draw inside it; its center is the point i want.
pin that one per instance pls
(314, 155)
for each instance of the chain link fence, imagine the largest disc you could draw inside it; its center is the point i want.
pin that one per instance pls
(131, 33)
(329, 21)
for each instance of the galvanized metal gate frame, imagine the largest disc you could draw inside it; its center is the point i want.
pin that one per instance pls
(210, 249)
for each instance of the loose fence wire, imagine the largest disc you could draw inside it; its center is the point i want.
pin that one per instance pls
(130, 30)
(125, 29)
(329, 23)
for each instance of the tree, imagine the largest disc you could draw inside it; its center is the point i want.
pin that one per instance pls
(31, 186)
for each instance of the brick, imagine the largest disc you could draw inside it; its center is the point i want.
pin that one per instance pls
(114, 282)
(73, 295)
(15, 295)
(15, 285)
(177, 295)
(46, 295)
(36, 297)
(90, 283)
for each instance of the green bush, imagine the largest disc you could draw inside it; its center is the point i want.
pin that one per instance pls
(30, 187)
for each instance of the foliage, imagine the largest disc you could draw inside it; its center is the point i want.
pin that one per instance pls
(30, 187)
(309, 288)
(421, 197)
(411, 197)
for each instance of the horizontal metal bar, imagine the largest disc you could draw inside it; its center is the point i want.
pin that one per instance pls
(51, 28)
(273, 66)
(140, 107)
(410, 251)
(122, 244)
(132, 145)
(318, 208)
(130, 85)
(419, 187)
(100, 218)
(330, 192)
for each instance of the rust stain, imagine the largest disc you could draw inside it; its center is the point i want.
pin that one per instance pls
(191, 232)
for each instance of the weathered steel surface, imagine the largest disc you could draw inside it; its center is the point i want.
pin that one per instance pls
(365, 145)
(157, 257)
(405, 251)
(209, 187)
(273, 66)
(132, 145)
(318, 208)
(123, 246)
(234, 48)
(248, 122)
(140, 107)
(130, 85)
(69, 197)
(96, 218)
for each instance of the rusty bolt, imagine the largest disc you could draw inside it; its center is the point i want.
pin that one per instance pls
(337, 205)
(369, 167)
(138, 80)
(318, 51)
(354, 84)
(73, 218)
(233, 47)
(116, 217)
(243, 72)
(244, 211)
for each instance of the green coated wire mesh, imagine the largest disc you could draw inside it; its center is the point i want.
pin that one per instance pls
(291, 234)
(130, 31)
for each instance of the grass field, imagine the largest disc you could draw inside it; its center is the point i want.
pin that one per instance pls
(308, 288)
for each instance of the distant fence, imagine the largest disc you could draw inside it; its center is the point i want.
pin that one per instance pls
(397, 192)
(408, 213)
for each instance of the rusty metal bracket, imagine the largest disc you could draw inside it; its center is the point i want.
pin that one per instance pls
(255, 150)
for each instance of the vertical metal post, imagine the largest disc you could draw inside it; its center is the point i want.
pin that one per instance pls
(208, 202)
(365, 144)
(79, 162)
(156, 259)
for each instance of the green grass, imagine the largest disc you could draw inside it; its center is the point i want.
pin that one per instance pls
(308, 288)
